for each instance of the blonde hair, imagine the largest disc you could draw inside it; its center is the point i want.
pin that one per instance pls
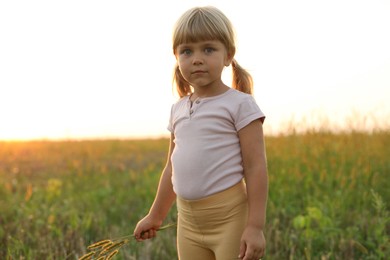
(205, 24)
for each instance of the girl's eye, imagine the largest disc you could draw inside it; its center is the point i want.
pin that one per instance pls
(186, 52)
(209, 50)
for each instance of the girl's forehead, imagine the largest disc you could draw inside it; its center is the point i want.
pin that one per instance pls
(200, 43)
(195, 38)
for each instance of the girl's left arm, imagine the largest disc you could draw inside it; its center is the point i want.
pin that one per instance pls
(256, 178)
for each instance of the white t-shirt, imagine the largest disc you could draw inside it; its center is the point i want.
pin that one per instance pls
(207, 155)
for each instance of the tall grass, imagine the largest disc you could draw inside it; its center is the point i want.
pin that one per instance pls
(324, 197)
(328, 196)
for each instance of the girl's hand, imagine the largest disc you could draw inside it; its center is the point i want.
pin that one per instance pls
(146, 228)
(252, 244)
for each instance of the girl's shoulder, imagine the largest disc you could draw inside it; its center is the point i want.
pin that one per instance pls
(238, 93)
(181, 100)
(236, 96)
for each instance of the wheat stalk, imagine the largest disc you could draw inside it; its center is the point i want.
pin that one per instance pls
(106, 249)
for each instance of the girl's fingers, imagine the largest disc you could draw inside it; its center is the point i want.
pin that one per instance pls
(147, 234)
(242, 250)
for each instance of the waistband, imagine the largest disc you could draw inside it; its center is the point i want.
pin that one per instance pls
(238, 188)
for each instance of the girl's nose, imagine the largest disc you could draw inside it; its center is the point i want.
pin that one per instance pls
(197, 60)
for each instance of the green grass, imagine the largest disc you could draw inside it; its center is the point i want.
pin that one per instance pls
(327, 200)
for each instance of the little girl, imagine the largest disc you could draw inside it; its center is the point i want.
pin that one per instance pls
(216, 169)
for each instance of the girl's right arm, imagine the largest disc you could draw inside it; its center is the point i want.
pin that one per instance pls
(147, 227)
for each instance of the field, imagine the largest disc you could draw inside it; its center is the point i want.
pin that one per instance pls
(328, 197)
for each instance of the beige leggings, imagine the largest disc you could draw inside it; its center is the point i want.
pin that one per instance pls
(211, 228)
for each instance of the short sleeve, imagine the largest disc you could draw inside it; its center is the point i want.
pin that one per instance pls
(247, 111)
(170, 123)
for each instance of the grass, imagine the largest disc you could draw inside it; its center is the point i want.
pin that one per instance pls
(328, 196)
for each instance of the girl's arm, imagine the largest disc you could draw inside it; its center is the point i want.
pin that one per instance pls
(255, 172)
(146, 228)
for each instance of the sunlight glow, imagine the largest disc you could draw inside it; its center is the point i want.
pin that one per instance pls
(92, 69)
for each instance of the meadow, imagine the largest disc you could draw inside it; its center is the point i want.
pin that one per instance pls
(328, 196)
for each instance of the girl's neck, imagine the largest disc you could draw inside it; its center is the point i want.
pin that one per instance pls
(202, 92)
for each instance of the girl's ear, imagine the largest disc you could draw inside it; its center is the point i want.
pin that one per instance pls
(228, 59)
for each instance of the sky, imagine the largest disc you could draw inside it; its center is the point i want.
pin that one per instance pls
(82, 69)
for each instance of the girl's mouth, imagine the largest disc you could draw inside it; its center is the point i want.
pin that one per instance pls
(198, 72)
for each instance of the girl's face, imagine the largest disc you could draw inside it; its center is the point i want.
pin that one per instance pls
(202, 63)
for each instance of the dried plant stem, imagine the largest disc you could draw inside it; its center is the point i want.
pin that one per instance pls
(108, 248)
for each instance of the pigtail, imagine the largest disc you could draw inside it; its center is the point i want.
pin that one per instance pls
(182, 86)
(242, 80)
